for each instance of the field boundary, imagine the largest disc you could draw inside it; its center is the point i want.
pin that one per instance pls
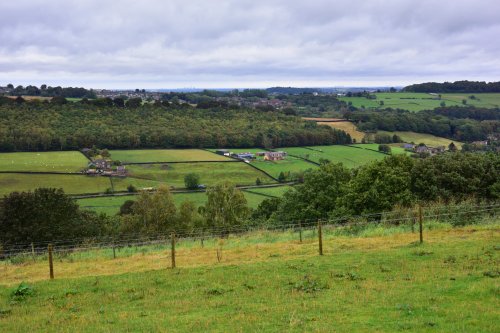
(181, 162)
(45, 172)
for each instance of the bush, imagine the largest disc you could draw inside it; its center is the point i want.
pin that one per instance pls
(192, 181)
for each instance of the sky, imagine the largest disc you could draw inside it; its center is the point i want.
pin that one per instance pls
(152, 44)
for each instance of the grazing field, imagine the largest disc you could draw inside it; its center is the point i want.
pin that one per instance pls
(164, 155)
(237, 173)
(72, 184)
(269, 282)
(347, 127)
(428, 139)
(289, 164)
(277, 191)
(395, 147)
(422, 101)
(351, 157)
(54, 161)
(111, 205)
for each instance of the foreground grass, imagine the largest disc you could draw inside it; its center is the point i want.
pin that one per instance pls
(382, 283)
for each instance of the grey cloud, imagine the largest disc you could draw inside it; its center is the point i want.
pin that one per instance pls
(215, 43)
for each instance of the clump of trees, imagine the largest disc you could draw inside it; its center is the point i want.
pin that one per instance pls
(334, 190)
(455, 87)
(45, 215)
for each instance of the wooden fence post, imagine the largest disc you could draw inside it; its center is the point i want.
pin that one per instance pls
(51, 264)
(320, 238)
(173, 249)
(300, 231)
(33, 251)
(420, 224)
(114, 250)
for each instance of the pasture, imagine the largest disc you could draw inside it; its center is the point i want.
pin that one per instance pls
(164, 155)
(380, 281)
(110, 205)
(54, 161)
(395, 147)
(72, 184)
(350, 156)
(428, 139)
(238, 173)
(422, 101)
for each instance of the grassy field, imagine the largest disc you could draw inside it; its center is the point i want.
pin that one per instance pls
(165, 155)
(428, 139)
(72, 184)
(422, 101)
(268, 282)
(56, 161)
(111, 205)
(210, 173)
(349, 156)
(347, 127)
(395, 147)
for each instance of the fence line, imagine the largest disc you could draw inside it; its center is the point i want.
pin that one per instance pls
(134, 240)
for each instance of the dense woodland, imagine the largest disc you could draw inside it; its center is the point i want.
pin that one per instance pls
(457, 123)
(48, 91)
(455, 87)
(38, 126)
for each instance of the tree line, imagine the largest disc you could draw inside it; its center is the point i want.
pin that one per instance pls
(48, 91)
(455, 87)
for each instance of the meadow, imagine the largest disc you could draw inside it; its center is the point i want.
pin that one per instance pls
(422, 101)
(164, 155)
(238, 173)
(351, 157)
(395, 147)
(54, 161)
(378, 279)
(110, 205)
(72, 184)
(428, 139)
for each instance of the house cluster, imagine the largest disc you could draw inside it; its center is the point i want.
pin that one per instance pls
(103, 167)
(423, 149)
(247, 157)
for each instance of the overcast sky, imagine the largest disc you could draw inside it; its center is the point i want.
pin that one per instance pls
(247, 43)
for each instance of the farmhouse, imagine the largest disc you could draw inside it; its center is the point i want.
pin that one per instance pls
(409, 146)
(274, 155)
(101, 164)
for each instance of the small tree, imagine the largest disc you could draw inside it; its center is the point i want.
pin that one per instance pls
(131, 188)
(452, 147)
(443, 104)
(281, 177)
(384, 149)
(192, 181)
(258, 182)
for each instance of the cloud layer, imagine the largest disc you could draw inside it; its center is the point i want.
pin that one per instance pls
(240, 43)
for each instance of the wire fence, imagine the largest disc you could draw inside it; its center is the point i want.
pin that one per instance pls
(242, 243)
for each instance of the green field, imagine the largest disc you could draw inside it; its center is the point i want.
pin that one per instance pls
(422, 101)
(395, 147)
(210, 173)
(72, 184)
(277, 191)
(164, 155)
(351, 157)
(54, 161)
(428, 139)
(111, 205)
(269, 283)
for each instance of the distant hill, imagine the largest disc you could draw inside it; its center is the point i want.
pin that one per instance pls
(455, 87)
